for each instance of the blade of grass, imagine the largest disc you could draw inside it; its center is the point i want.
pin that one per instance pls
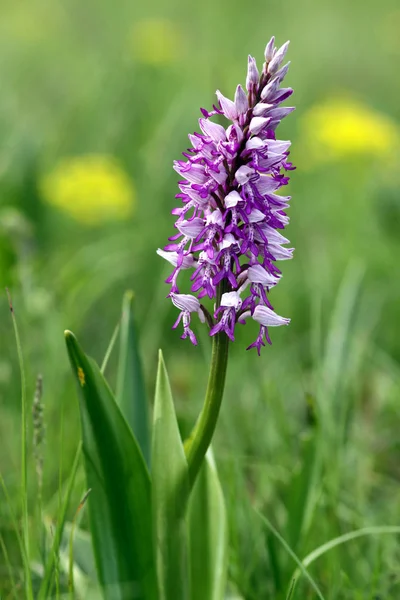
(60, 486)
(131, 391)
(342, 539)
(45, 586)
(299, 497)
(82, 551)
(56, 569)
(110, 348)
(71, 546)
(14, 520)
(296, 559)
(333, 404)
(340, 327)
(275, 566)
(24, 474)
(85, 577)
(9, 567)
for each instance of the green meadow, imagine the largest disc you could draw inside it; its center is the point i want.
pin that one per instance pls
(97, 99)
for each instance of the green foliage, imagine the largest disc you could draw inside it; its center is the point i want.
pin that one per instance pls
(170, 492)
(120, 501)
(24, 471)
(140, 529)
(301, 489)
(208, 535)
(48, 576)
(302, 568)
(81, 548)
(131, 392)
(121, 489)
(343, 539)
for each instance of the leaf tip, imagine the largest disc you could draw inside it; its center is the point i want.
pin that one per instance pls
(129, 295)
(71, 342)
(127, 302)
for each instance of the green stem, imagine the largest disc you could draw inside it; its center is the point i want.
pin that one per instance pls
(197, 444)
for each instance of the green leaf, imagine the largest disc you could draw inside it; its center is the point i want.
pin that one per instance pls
(208, 534)
(301, 491)
(120, 501)
(131, 392)
(170, 491)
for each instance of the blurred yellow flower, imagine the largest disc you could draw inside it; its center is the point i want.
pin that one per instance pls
(155, 41)
(92, 189)
(341, 128)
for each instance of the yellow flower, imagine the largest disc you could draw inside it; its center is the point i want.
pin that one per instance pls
(341, 128)
(155, 41)
(92, 189)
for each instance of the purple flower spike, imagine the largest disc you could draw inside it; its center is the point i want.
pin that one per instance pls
(229, 226)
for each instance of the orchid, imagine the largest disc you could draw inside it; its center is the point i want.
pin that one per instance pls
(232, 213)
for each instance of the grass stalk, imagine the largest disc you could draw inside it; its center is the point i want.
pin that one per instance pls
(110, 348)
(294, 556)
(24, 471)
(9, 568)
(71, 586)
(342, 539)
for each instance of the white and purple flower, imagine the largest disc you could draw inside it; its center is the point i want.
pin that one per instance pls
(232, 214)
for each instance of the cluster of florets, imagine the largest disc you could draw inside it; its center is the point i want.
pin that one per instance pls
(231, 215)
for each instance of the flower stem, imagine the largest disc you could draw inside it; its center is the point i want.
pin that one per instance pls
(197, 444)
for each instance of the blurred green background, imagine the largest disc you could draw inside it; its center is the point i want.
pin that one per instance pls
(97, 99)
